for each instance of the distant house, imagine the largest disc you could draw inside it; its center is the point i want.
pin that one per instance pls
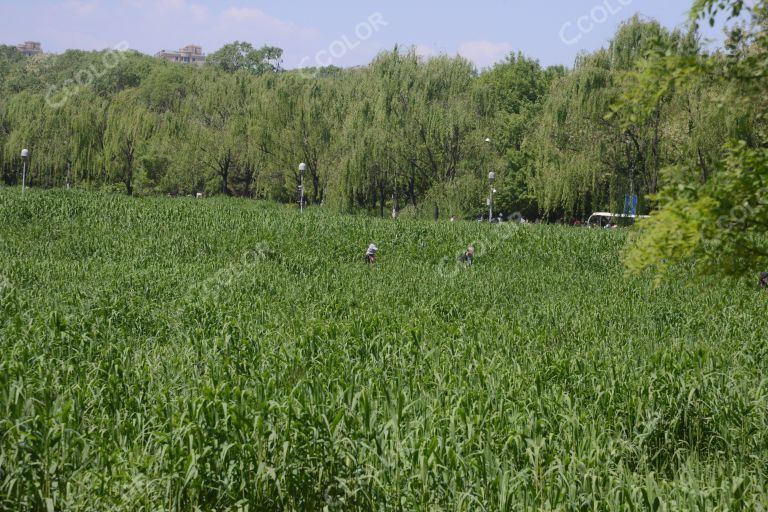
(191, 54)
(30, 48)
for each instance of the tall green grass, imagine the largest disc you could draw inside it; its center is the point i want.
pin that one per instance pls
(173, 354)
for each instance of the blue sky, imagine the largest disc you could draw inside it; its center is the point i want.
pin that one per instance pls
(341, 32)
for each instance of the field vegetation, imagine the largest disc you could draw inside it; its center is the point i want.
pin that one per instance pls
(226, 354)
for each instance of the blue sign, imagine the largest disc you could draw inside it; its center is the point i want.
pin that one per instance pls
(630, 205)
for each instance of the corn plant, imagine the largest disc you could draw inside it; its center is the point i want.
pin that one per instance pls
(174, 354)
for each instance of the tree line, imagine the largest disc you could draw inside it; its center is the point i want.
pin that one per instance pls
(418, 135)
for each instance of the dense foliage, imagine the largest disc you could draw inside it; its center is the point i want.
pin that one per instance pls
(403, 132)
(713, 209)
(400, 129)
(235, 355)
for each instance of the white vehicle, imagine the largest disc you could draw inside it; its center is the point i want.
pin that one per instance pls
(601, 219)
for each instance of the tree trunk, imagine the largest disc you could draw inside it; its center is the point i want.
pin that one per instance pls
(128, 177)
(703, 165)
(656, 151)
(382, 200)
(315, 186)
(412, 190)
(248, 180)
(224, 173)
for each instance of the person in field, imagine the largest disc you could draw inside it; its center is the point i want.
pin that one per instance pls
(764, 280)
(370, 254)
(468, 256)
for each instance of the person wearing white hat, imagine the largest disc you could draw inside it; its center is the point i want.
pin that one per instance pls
(370, 254)
(468, 256)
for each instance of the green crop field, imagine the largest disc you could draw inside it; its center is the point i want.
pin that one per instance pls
(174, 354)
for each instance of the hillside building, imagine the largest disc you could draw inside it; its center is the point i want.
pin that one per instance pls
(30, 48)
(190, 54)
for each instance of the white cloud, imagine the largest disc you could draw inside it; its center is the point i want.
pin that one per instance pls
(425, 51)
(175, 8)
(485, 53)
(259, 20)
(81, 7)
(199, 12)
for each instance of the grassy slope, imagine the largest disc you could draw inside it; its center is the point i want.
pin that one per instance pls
(174, 353)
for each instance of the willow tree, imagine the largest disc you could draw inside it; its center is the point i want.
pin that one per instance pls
(217, 118)
(374, 130)
(70, 137)
(168, 165)
(392, 138)
(448, 119)
(128, 129)
(586, 159)
(572, 168)
(451, 152)
(412, 129)
(300, 117)
(25, 113)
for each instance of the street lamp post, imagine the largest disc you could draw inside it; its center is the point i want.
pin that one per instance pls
(25, 158)
(302, 170)
(628, 142)
(491, 179)
(69, 164)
